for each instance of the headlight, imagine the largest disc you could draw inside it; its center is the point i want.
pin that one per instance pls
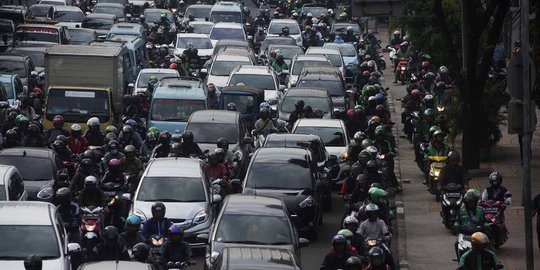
(200, 217)
(157, 242)
(308, 202)
(343, 157)
(403, 68)
(90, 227)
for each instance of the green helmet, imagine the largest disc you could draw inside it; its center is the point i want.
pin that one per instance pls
(154, 130)
(443, 70)
(438, 132)
(433, 129)
(153, 79)
(359, 107)
(346, 233)
(364, 155)
(376, 194)
(380, 130)
(21, 119)
(366, 143)
(111, 129)
(472, 195)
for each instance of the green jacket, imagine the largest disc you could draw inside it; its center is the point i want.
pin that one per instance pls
(474, 259)
(279, 68)
(423, 127)
(432, 151)
(465, 218)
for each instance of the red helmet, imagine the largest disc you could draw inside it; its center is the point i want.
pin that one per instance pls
(36, 91)
(173, 66)
(365, 73)
(426, 64)
(415, 92)
(114, 162)
(350, 113)
(58, 120)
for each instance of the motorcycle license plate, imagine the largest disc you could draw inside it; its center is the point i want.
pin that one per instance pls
(491, 210)
(453, 195)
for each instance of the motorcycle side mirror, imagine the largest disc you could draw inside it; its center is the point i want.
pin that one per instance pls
(216, 198)
(282, 88)
(250, 37)
(349, 93)
(236, 182)
(126, 196)
(202, 236)
(285, 72)
(73, 248)
(303, 242)
(204, 71)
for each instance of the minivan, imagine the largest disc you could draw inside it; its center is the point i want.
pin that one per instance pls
(225, 11)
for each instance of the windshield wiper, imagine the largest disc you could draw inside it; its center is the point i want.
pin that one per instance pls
(246, 242)
(174, 119)
(168, 200)
(280, 243)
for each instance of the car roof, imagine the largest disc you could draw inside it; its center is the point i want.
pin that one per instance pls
(100, 16)
(314, 73)
(4, 169)
(312, 122)
(36, 25)
(312, 57)
(116, 5)
(160, 10)
(180, 89)
(278, 154)
(284, 21)
(27, 151)
(306, 92)
(115, 265)
(228, 25)
(210, 116)
(67, 8)
(257, 205)
(157, 70)
(201, 22)
(200, 6)
(258, 258)
(232, 57)
(226, 6)
(26, 213)
(179, 167)
(291, 137)
(253, 69)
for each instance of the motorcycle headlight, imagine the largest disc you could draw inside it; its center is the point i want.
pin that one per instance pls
(200, 217)
(403, 68)
(90, 227)
(308, 202)
(157, 242)
(343, 157)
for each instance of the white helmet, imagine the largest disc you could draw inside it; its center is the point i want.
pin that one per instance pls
(94, 121)
(309, 15)
(350, 220)
(75, 127)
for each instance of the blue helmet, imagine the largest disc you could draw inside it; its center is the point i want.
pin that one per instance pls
(379, 97)
(339, 239)
(131, 122)
(133, 220)
(175, 229)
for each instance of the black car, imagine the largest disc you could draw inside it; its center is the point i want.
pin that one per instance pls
(257, 258)
(18, 14)
(251, 221)
(37, 166)
(330, 79)
(19, 64)
(7, 32)
(290, 174)
(326, 164)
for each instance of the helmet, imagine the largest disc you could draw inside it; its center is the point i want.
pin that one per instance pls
(133, 220)
(109, 137)
(454, 156)
(111, 129)
(364, 155)
(356, 168)
(140, 252)
(130, 149)
(158, 207)
(443, 70)
(428, 98)
(346, 233)
(176, 146)
(64, 194)
(114, 162)
(110, 233)
(153, 130)
(93, 122)
(90, 181)
(89, 154)
(472, 195)
(372, 166)
(33, 129)
(397, 33)
(86, 164)
(415, 92)
(222, 142)
(438, 132)
(231, 106)
(353, 262)
(349, 28)
(372, 208)
(57, 144)
(33, 262)
(350, 220)
(75, 127)
(187, 136)
(379, 97)
(433, 129)
(176, 230)
(376, 256)
(339, 239)
(21, 119)
(58, 120)
(299, 103)
(495, 179)
(380, 130)
(176, 138)
(359, 136)
(114, 145)
(441, 86)
(372, 150)
(428, 112)
(127, 129)
(264, 113)
(377, 195)
(479, 239)
(366, 143)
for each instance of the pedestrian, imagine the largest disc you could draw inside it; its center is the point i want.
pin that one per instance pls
(536, 209)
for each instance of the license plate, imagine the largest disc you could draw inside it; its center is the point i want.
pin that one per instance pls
(453, 195)
(491, 209)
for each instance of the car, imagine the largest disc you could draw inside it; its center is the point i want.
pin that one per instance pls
(17, 14)
(43, 162)
(144, 75)
(100, 22)
(276, 40)
(35, 52)
(314, 9)
(257, 258)
(153, 15)
(199, 12)
(289, 174)
(316, 98)
(227, 11)
(201, 42)
(350, 58)
(69, 16)
(173, 102)
(116, 265)
(201, 27)
(328, 78)
(57, 2)
(7, 31)
(132, 29)
(42, 12)
(288, 52)
(4, 99)
(48, 241)
(262, 77)
(251, 221)
(11, 184)
(19, 64)
(276, 25)
(224, 30)
(137, 7)
(301, 61)
(13, 85)
(339, 28)
(231, 43)
(222, 66)
(181, 184)
(111, 8)
(38, 34)
(83, 35)
(334, 55)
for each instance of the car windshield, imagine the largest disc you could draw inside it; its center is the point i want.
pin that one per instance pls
(81, 36)
(16, 67)
(335, 59)
(39, 34)
(177, 110)
(227, 33)
(53, 3)
(224, 68)
(244, 103)
(9, 89)
(270, 41)
(69, 16)
(39, 10)
(294, 174)
(254, 229)
(97, 23)
(198, 12)
(347, 51)
(224, 16)
(119, 12)
(342, 28)
(155, 16)
(171, 189)
(78, 106)
(144, 77)
(206, 132)
(201, 28)
(43, 242)
(198, 43)
(112, 1)
(315, 11)
(299, 65)
(265, 82)
(330, 136)
(276, 28)
(42, 168)
(289, 52)
(315, 103)
(334, 88)
(3, 195)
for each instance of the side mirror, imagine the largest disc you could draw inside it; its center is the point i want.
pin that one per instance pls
(141, 16)
(202, 236)
(282, 88)
(236, 182)
(131, 86)
(285, 72)
(126, 196)
(204, 71)
(303, 242)
(73, 248)
(349, 93)
(87, 13)
(250, 37)
(216, 198)
(4, 104)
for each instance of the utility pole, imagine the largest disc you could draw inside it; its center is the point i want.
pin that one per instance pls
(528, 122)
(465, 33)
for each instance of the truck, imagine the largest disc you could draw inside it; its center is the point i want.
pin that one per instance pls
(84, 81)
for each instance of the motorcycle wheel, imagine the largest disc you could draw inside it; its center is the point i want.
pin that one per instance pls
(381, 64)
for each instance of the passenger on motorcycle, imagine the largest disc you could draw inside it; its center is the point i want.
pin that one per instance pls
(91, 194)
(444, 76)
(110, 249)
(297, 113)
(128, 136)
(132, 236)
(373, 174)
(164, 147)
(175, 249)
(479, 257)
(158, 224)
(229, 156)
(130, 164)
(377, 260)
(62, 151)
(427, 84)
(349, 185)
(69, 212)
(189, 146)
(264, 126)
(93, 134)
(356, 121)
(425, 123)
(114, 153)
(57, 129)
(141, 253)
(338, 255)
(453, 172)
(471, 218)
(214, 169)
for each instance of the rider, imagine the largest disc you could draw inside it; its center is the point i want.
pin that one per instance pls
(189, 146)
(436, 147)
(453, 172)
(374, 227)
(110, 249)
(164, 147)
(175, 249)
(78, 180)
(214, 169)
(128, 136)
(479, 257)
(93, 135)
(264, 125)
(164, 21)
(114, 153)
(279, 64)
(76, 142)
(403, 52)
(377, 260)
(297, 113)
(91, 195)
(130, 164)
(338, 255)
(149, 144)
(68, 211)
(158, 224)
(57, 129)
(349, 35)
(470, 218)
(132, 236)
(497, 192)
(113, 173)
(397, 39)
(33, 138)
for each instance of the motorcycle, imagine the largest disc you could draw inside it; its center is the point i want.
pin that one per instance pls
(452, 197)
(493, 213)
(403, 70)
(91, 226)
(115, 216)
(156, 241)
(388, 258)
(436, 163)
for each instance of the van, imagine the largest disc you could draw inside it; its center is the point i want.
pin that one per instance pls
(137, 51)
(173, 102)
(132, 29)
(225, 11)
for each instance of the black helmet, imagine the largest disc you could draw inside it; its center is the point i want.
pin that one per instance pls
(33, 129)
(376, 256)
(110, 233)
(64, 194)
(264, 113)
(356, 168)
(222, 143)
(33, 262)
(231, 106)
(372, 166)
(187, 136)
(454, 156)
(86, 164)
(127, 129)
(89, 154)
(495, 179)
(114, 145)
(299, 104)
(164, 137)
(158, 207)
(58, 145)
(140, 252)
(353, 262)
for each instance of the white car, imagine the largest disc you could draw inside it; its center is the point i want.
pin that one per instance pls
(227, 31)
(334, 55)
(333, 133)
(262, 77)
(222, 65)
(201, 42)
(69, 16)
(144, 75)
(11, 184)
(276, 25)
(301, 61)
